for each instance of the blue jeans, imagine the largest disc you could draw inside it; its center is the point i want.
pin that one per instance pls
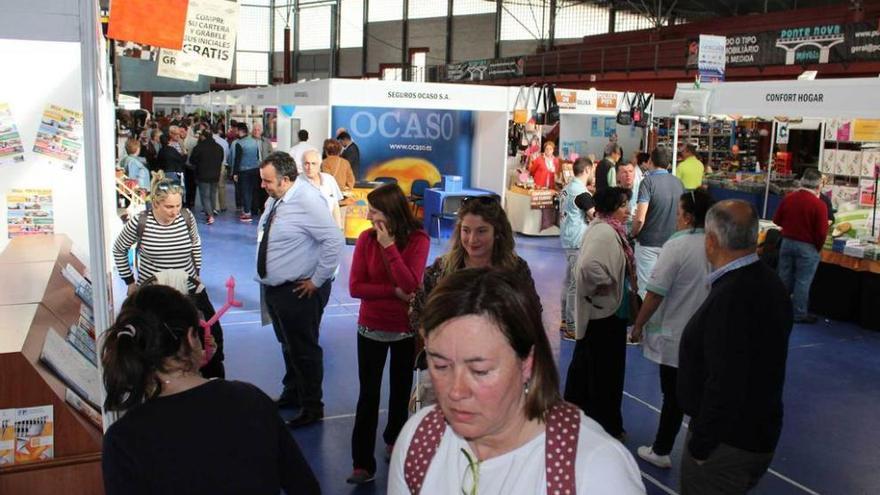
(569, 289)
(248, 180)
(797, 265)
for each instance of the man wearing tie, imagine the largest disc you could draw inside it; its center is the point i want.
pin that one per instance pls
(298, 252)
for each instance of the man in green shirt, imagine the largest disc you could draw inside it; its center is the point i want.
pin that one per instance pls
(690, 170)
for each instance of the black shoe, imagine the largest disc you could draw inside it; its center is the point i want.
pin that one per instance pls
(809, 319)
(305, 418)
(287, 402)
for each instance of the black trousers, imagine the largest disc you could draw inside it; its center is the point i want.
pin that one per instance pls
(214, 368)
(595, 376)
(189, 178)
(371, 366)
(728, 471)
(670, 415)
(296, 322)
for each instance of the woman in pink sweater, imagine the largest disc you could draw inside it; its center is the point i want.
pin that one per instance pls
(387, 267)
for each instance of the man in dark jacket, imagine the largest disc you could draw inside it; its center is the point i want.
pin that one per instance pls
(732, 360)
(350, 152)
(207, 162)
(170, 158)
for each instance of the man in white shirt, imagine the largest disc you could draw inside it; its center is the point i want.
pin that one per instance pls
(220, 199)
(299, 148)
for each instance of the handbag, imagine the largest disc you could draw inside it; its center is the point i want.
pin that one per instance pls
(552, 105)
(540, 104)
(643, 117)
(521, 114)
(625, 117)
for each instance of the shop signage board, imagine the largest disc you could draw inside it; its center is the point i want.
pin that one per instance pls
(483, 70)
(401, 94)
(711, 58)
(408, 143)
(824, 98)
(607, 101)
(208, 42)
(816, 44)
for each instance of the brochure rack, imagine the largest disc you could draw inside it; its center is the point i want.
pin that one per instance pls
(41, 300)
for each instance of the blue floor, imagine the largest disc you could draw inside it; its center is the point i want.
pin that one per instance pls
(831, 430)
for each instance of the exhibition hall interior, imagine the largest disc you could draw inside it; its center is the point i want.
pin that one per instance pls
(438, 247)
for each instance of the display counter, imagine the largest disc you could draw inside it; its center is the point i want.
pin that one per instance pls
(526, 220)
(847, 288)
(749, 186)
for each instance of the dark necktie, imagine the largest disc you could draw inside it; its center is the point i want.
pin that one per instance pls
(264, 242)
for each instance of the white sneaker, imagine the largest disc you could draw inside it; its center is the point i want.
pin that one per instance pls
(646, 452)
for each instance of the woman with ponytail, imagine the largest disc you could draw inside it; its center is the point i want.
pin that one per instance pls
(182, 433)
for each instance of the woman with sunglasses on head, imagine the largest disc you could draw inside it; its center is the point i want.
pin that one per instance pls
(168, 246)
(676, 290)
(500, 426)
(386, 269)
(605, 278)
(482, 237)
(182, 433)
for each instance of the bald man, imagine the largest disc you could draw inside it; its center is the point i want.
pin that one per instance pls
(732, 360)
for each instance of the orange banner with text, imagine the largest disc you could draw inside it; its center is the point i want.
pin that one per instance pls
(149, 22)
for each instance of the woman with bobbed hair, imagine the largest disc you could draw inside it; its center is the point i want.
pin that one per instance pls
(337, 166)
(500, 425)
(183, 433)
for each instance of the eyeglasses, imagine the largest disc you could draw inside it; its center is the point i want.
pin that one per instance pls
(169, 186)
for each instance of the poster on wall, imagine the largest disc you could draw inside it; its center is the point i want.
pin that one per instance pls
(595, 127)
(409, 144)
(610, 127)
(7, 437)
(270, 124)
(29, 212)
(208, 42)
(60, 135)
(11, 149)
(34, 434)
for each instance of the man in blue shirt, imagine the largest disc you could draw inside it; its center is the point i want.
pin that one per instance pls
(572, 226)
(246, 170)
(298, 252)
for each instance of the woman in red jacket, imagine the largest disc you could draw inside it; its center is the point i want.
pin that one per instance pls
(544, 167)
(387, 267)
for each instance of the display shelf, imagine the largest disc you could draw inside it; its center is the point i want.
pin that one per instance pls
(43, 301)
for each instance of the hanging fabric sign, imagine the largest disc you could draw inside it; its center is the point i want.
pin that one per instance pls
(711, 58)
(208, 42)
(148, 22)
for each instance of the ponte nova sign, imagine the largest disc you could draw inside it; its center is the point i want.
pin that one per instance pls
(816, 44)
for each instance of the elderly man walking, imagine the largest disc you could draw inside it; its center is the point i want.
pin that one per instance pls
(732, 360)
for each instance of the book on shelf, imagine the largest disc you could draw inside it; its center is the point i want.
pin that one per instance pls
(82, 342)
(81, 285)
(84, 408)
(34, 434)
(72, 367)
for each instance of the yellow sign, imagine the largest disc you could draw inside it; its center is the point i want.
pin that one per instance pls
(865, 130)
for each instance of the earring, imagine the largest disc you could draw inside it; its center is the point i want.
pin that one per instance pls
(526, 388)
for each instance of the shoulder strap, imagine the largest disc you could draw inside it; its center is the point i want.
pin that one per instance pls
(422, 448)
(560, 448)
(191, 229)
(141, 227)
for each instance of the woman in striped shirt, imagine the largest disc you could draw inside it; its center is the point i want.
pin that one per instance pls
(168, 239)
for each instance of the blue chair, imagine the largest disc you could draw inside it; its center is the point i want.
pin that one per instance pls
(417, 194)
(448, 211)
(386, 180)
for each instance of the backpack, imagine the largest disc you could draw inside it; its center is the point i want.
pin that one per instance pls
(190, 227)
(563, 427)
